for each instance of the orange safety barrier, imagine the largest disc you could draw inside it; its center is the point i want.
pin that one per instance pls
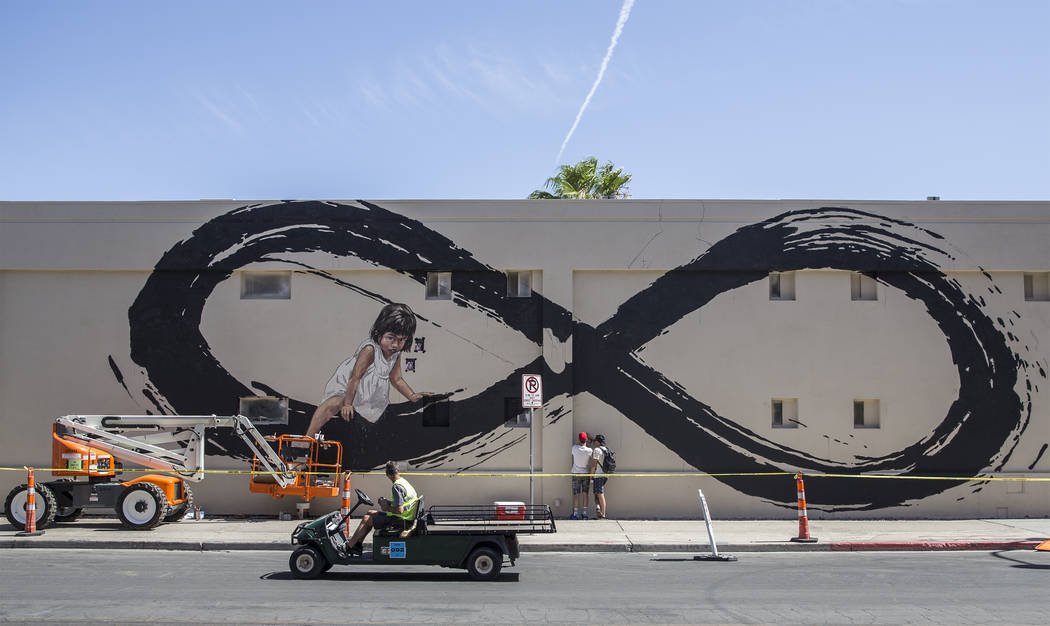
(803, 519)
(344, 507)
(30, 529)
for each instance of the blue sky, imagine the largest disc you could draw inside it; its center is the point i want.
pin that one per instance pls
(850, 99)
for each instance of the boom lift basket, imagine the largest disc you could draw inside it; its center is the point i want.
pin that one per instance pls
(317, 465)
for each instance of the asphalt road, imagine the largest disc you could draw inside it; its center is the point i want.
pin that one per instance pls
(140, 586)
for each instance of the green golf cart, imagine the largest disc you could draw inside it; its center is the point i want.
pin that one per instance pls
(474, 537)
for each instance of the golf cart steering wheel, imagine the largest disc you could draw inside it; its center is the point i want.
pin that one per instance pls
(363, 497)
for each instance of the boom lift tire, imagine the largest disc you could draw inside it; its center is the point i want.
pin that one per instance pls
(484, 563)
(67, 513)
(306, 562)
(15, 506)
(179, 510)
(142, 506)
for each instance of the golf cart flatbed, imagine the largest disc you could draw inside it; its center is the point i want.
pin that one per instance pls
(475, 537)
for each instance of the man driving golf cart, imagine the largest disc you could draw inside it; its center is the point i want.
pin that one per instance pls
(398, 511)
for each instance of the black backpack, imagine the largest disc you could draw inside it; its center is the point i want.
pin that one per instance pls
(608, 461)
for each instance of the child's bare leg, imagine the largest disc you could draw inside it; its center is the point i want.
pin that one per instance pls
(325, 411)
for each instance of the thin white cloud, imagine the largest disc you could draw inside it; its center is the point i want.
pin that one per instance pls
(251, 100)
(217, 112)
(554, 73)
(374, 93)
(625, 12)
(444, 82)
(412, 90)
(448, 77)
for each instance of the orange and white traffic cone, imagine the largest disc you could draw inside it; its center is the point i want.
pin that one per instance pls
(30, 529)
(803, 519)
(344, 507)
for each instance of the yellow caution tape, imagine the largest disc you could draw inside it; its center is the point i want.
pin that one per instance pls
(955, 478)
(553, 475)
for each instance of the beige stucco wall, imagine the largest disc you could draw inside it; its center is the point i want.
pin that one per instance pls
(69, 272)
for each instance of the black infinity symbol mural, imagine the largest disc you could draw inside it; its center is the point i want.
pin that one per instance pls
(980, 429)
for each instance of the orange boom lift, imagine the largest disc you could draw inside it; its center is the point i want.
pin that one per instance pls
(87, 451)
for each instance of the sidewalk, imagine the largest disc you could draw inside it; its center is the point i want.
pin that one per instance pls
(581, 536)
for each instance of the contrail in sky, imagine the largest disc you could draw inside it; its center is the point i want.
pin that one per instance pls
(625, 12)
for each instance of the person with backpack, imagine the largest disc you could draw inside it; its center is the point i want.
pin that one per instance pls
(603, 463)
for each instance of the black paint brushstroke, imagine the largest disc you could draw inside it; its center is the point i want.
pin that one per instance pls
(148, 393)
(969, 439)
(119, 376)
(1038, 456)
(165, 317)
(166, 340)
(189, 363)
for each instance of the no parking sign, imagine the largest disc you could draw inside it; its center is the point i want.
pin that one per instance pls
(531, 391)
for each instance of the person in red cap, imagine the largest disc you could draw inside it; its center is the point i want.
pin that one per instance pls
(581, 485)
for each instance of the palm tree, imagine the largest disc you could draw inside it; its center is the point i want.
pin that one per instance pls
(584, 180)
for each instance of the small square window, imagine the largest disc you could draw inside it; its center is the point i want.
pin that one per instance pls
(785, 412)
(1037, 286)
(863, 287)
(519, 284)
(266, 285)
(782, 285)
(513, 415)
(264, 409)
(437, 415)
(439, 285)
(865, 413)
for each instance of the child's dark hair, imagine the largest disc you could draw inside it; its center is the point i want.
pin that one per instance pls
(398, 319)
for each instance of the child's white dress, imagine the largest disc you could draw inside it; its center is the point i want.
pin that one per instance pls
(373, 392)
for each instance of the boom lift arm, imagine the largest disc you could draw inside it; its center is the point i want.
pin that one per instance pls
(163, 442)
(88, 447)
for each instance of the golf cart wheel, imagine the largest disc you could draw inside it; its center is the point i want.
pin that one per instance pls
(142, 506)
(15, 506)
(484, 563)
(67, 513)
(178, 511)
(307, 562)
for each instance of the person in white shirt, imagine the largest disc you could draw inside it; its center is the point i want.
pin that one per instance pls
(581, 485)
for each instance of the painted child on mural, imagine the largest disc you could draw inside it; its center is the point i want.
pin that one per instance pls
(361, 384)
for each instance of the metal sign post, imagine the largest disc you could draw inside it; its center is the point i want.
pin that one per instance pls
(532, 463)
(531, 398)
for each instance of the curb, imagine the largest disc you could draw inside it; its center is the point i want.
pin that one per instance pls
(928, 546)
(184, 546)
(840, 546)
